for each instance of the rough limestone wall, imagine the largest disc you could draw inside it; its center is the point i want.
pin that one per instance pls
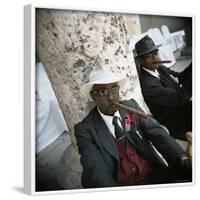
(70, 44)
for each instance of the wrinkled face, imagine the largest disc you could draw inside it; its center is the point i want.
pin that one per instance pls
(148, 60)
(105, 96)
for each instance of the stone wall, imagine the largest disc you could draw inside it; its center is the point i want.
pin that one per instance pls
(71, 43)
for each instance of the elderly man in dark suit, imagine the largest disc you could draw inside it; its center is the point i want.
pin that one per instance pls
(169, 101)
(118, 148)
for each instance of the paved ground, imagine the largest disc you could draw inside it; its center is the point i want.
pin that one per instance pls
(58, 166)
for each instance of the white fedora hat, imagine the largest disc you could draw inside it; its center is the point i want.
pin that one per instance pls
(101, 75)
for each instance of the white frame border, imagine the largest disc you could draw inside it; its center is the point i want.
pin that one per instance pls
(29, 97)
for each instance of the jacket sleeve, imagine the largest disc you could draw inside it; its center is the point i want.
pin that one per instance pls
(159, 137)
(185, 75)
(154, 92)
(96, 173)
(164, 143)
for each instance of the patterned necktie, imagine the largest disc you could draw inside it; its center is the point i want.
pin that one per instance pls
(119, 133)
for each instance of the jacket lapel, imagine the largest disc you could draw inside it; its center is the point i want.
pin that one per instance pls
(166, 79)
(123, 116)
(133, 136)
(139, 142)
(105, 136)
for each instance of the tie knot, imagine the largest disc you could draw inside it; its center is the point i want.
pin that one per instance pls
(115, 118)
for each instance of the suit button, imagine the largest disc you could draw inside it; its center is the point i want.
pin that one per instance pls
(131, 158)
(134, 170)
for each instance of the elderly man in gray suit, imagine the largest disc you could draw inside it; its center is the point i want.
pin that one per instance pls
(117, 148)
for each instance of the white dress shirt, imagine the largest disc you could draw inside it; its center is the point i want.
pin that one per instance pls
(153, 73)
(108, 120)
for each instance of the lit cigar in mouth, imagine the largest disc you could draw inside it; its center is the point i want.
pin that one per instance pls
(131, 110)
(161, 61)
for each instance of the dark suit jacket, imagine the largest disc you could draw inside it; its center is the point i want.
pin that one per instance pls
(99, 155)
(167, 99)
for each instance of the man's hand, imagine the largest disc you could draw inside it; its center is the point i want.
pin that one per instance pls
(183, 165)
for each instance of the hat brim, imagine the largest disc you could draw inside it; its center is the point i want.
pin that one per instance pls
(86, 88)
(148, 52)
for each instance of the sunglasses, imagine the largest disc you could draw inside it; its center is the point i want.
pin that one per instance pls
(105, 91)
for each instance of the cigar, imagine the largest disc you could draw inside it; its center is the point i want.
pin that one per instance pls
(161, 61)
(131, 110)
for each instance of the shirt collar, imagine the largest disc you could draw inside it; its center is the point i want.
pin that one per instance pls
(153, 73)
(108, 120)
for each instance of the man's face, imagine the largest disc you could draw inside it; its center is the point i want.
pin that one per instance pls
(105, 96)
(148, 60)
